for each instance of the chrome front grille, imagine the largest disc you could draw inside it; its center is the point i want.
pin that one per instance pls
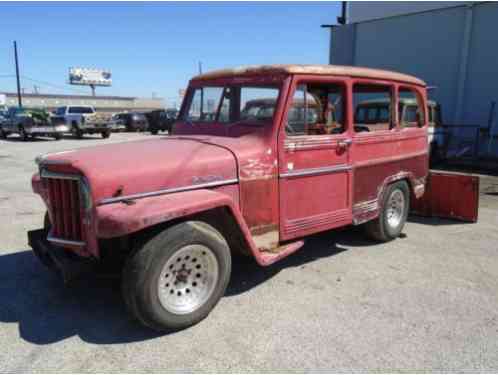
(65, 207)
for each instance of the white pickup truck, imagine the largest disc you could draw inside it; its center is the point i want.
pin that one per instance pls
(83, 120)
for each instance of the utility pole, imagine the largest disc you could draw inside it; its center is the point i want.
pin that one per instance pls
(19, 98)
(200, 67)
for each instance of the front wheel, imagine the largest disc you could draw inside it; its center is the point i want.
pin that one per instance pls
(24, 135)
(57, 136)
(394, 211)
(176, 277)
(106, 134)
(77, 132)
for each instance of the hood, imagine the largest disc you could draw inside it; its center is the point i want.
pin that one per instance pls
(122, 169)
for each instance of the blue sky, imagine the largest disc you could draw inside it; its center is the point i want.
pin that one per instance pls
(155, 47)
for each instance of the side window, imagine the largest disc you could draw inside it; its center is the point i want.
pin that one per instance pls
(316, 109)
(257, 104)
(412, 115)
(372, 107)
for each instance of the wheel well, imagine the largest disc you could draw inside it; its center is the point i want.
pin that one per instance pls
(219, 218)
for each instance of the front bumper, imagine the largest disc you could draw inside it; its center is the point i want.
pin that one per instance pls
(69, 265)
(58, 129)
(117, 127)
(95, 126)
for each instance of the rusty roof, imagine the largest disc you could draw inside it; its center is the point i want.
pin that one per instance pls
(333, 70)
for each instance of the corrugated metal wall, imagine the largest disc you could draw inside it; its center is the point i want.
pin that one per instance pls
(455, 49)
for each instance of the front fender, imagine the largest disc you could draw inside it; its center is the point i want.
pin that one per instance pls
(119, 219)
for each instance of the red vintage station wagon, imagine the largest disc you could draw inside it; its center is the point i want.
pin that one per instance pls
(259, 158)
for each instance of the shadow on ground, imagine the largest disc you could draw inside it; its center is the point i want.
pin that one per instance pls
(31, 139)
(435, 221)
(47, 311)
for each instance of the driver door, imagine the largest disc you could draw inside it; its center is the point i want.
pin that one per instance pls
(314, 159)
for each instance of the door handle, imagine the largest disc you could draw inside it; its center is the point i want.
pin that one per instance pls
(345, 143)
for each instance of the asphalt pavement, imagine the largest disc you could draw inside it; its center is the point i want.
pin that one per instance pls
(425, 302)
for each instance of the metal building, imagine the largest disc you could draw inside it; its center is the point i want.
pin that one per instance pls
(451, 45)
(111, 104)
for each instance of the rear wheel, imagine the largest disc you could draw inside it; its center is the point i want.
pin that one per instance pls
(106, 134)
(176, 277)
(57, 137)
(3, 135)
(394, 211)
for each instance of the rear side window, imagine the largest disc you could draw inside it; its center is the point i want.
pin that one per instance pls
(372, 107)
(411, 108)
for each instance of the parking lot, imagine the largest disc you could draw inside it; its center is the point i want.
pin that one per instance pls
(425, 302)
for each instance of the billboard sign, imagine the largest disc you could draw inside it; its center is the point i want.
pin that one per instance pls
(90, 77)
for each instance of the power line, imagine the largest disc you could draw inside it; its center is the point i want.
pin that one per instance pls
(52, 85)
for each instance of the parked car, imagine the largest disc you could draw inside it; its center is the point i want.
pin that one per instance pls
(3, 117)
(170, 212)
(133, 121)
(82, 120)
(30, 123)
(161, 120)
(117, 124)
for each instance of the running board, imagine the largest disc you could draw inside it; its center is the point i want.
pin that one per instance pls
(270, 257)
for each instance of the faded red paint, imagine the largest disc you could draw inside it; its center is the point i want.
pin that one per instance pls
(269, 208)
(449, 195)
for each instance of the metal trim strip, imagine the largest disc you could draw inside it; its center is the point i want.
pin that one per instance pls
(63, 176)
(167, 191)
(62, 241)
(316, 171)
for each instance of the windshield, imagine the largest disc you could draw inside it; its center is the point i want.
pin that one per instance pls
(80, 110)
(248, 105)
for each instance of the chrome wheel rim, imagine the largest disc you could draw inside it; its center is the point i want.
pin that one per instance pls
(188, 279)
(395, 208)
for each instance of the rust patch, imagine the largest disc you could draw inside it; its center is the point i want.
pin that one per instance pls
(257, 169)
(265, 237)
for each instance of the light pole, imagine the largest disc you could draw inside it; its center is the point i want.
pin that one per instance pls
(19, 98)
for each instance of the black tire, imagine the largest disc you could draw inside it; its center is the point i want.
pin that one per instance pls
(381, 229)
(106, 134)
(3, 135)
(57, 137)
(23, 134)
(142, 273)
(77, 132)
(154, 131)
